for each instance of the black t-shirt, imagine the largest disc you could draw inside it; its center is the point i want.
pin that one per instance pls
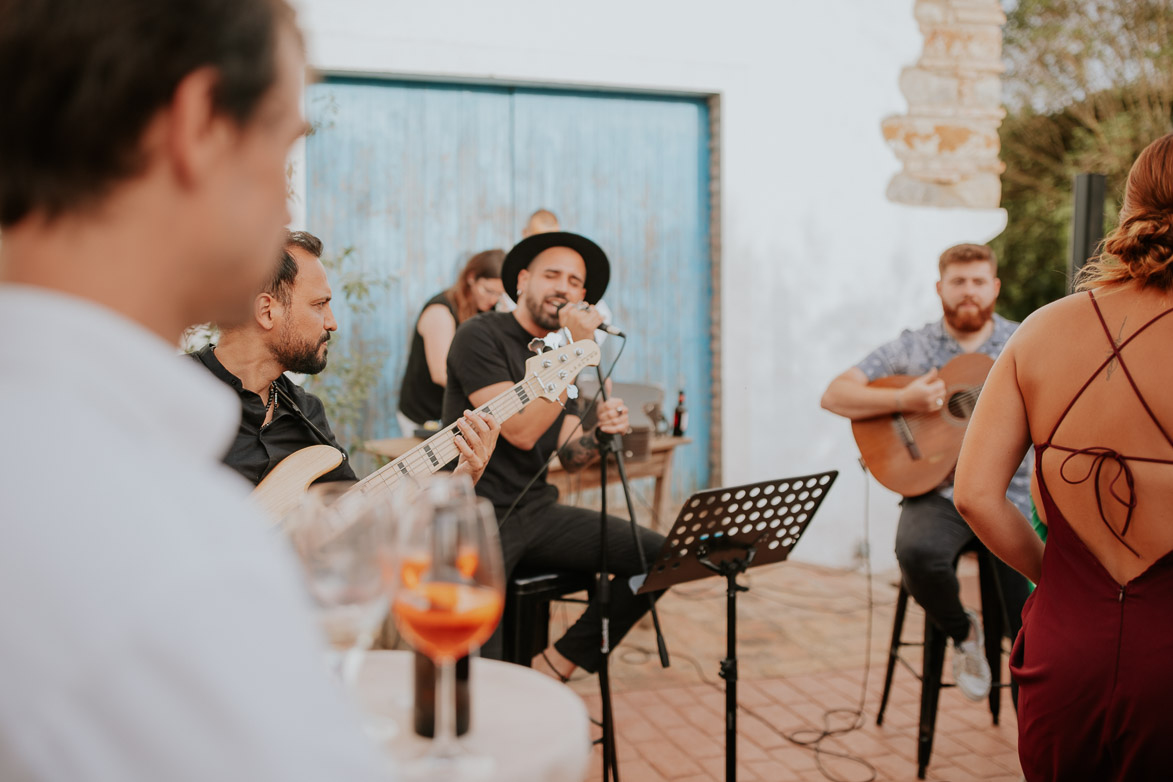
(491, 348)
(259, 447)
(419, 398)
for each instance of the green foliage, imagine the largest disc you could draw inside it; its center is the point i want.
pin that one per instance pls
(198, 336)
(1089, 84)
(356, 360)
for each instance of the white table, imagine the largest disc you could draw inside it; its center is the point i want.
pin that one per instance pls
(536, 729)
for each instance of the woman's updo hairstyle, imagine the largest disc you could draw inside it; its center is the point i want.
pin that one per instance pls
(1141, 246)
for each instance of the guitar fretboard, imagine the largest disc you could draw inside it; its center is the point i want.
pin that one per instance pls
(439, 449)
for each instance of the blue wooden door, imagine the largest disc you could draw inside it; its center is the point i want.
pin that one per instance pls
(415, 177)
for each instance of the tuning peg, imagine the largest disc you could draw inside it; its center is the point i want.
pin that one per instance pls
(537, 346)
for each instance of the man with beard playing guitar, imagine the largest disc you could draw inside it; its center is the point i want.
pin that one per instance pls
(289, 332)
(931, 533)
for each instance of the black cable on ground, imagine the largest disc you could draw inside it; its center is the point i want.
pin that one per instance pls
(812, 738)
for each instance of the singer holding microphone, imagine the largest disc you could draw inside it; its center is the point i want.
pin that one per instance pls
(555, 278)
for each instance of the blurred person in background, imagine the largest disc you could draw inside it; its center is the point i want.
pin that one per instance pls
(477, 289)
(540, 222)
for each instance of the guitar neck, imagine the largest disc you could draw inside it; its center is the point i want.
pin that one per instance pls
(439, 449)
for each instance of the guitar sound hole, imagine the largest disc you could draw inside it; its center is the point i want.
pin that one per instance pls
(961, 405)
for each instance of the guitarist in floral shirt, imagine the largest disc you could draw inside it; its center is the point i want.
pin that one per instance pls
(931, 533)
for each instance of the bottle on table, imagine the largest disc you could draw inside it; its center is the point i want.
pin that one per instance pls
(425, 696)
(680, 419)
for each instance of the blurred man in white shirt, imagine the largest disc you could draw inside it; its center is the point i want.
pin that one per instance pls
(153, 628)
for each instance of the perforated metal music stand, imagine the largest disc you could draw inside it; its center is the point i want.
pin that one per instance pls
(725, 532)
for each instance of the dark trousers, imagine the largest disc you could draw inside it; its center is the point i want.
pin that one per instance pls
(929, 538)
(559, 537)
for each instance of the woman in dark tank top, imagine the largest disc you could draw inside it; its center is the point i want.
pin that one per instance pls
(477, 289)
(1086, 379)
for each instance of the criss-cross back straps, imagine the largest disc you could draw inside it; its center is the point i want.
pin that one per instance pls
(1101, 456)
(1116, 356)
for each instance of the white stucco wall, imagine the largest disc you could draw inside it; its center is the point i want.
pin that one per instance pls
(818, 266)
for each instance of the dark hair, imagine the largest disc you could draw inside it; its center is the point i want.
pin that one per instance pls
(1140, 247)
(483, 265)
(81, 80)
(282, 281)
(967, 253)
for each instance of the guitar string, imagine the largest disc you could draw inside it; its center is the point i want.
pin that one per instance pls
(919, 420)
(416, 461)
(960, 396)
(508, 402)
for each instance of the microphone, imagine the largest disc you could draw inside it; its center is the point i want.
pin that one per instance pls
(606, 328)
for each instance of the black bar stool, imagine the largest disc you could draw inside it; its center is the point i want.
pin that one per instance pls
(994, 624)
(526, 621)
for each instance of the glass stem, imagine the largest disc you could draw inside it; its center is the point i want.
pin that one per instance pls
(351, 664)
(444, 744)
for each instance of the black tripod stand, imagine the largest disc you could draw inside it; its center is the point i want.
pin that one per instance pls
(612, 446)
(726, 531)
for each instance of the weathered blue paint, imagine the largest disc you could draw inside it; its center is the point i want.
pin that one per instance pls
(418, 176)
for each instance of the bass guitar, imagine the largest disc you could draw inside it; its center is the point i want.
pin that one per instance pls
(913, 453)
(546, 376)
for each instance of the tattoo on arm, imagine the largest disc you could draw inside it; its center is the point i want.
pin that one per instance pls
(579, 453)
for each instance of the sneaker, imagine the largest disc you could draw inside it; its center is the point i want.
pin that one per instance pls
(971, 670)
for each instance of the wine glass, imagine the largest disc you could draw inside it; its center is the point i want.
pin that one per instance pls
(344, 540)
(449, 599)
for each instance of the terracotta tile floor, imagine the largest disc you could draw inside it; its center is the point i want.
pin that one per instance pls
(802, 647)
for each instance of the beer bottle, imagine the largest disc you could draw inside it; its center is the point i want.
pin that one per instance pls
(425, 696)
(680, 420)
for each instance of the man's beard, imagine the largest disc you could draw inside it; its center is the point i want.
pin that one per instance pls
(540, 317)
(969, 321)
(301, 356)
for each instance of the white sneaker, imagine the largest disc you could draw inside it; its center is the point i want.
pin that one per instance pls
(971, 670)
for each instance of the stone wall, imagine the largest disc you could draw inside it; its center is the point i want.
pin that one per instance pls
(948, 140)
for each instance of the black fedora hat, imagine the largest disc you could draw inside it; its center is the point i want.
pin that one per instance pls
(598, 268)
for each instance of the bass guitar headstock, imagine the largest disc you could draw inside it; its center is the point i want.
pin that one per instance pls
(556, 369)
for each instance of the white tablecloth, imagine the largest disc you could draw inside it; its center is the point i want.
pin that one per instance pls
(536, 729)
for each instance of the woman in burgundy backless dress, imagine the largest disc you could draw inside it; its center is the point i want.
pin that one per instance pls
(1089, 381)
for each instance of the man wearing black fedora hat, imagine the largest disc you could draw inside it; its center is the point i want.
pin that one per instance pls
(555, 278)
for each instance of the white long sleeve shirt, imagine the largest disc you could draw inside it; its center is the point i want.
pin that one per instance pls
(151, 627)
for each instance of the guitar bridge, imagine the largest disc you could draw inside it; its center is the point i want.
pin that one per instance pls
(905, 433)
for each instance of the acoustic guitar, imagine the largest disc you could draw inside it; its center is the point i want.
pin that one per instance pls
(546, 376)
(913, 453)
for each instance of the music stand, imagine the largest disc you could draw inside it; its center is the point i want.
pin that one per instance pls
(726, 531)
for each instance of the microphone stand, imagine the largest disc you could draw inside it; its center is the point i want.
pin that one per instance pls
(612, 444)
(616, 447)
